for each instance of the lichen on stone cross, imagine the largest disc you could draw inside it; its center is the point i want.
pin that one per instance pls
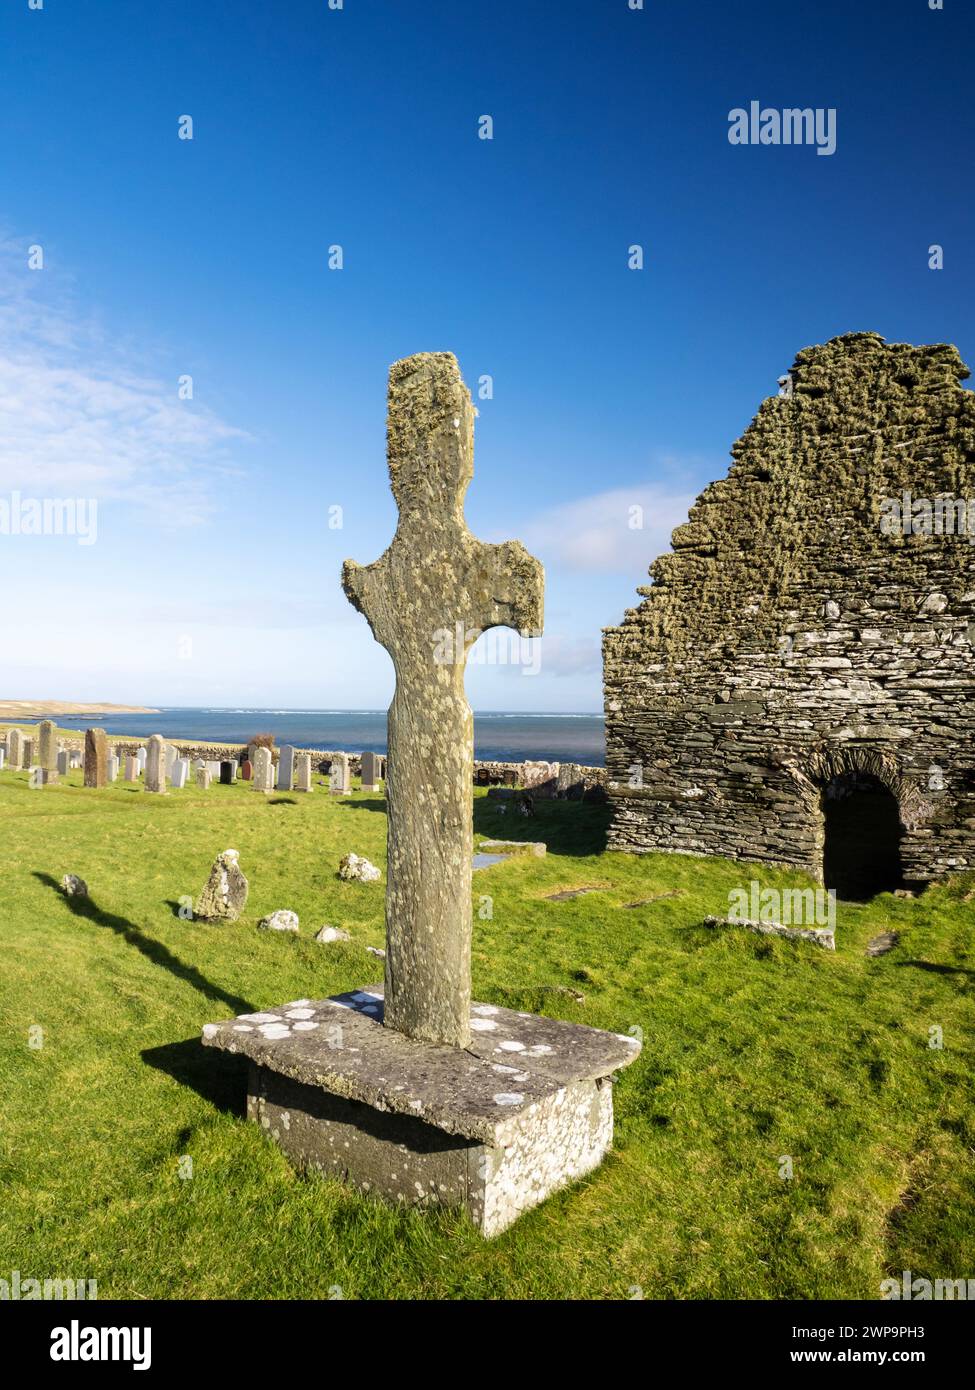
(427, 599)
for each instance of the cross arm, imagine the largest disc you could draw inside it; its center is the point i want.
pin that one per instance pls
(511, 589)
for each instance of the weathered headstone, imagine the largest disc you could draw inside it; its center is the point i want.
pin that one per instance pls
(15, 749)
(224, 896)
(246, 770)
(75, 757)
(3, 756)
(226, 774)
(28, 753)
(286, 768)
(204, 777)
(156, 765)
(541, 779)
(47, 749)
(263, 770)
(303, 778)
(112, 767)
(131, 768)
(142, 754)
(96, 758)
(339, 776)
(64, 762)
(172, 753)
(181, 770)
(370, 772)
(504, 1107)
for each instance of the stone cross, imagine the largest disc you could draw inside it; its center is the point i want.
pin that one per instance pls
(427, 599)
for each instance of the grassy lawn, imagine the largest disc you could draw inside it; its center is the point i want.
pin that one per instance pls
(754, 1049)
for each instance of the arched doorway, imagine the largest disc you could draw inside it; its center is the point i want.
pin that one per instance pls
(863, 831)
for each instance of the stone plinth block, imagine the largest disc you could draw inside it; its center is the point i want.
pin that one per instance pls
(493, 1128)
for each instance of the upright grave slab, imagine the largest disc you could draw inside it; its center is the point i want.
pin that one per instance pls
(96, 758)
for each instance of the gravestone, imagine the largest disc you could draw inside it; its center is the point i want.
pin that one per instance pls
(131, 768)
(213, 767)
(96, 758)
(370, 772)
(15, 749)
(263, 770)
(47, 749)
(156, 765)
(142, 754)
(286, 768)
(112, 767)
(303, 779)
(246, 770)
(409, 1090)
(196, 764)
(204, 777)
(181, 771)
(224, 895)
(64, 762)
(28, 753)
(172, 753)
(75, 757)
(3, 756)
(227, 774)
(541, 779)
(339, 776)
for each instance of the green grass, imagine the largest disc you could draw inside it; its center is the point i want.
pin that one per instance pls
(754, 1048)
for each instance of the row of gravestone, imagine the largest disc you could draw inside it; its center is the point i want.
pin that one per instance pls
(160, 765)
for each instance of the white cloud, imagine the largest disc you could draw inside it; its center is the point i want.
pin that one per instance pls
(616, 532)
(78, 418)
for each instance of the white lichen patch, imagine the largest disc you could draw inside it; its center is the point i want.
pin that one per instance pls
(508, 1098)
(300, 1013)
(275, 1030)
(512, 1045)
(482, 1025)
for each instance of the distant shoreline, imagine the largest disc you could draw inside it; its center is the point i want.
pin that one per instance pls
(13, 710)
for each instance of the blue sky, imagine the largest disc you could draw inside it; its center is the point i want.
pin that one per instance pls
(214, 578)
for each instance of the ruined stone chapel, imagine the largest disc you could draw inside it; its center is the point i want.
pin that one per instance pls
(798, 684)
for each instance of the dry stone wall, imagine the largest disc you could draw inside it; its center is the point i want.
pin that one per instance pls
(794, 636)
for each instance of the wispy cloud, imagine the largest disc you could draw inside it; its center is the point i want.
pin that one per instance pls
(615, 532)
(81, 418)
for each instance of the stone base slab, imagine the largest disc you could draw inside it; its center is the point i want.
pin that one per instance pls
(493, 1128)
(407, 1160)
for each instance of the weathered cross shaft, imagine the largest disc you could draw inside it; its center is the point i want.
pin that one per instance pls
(435, 581)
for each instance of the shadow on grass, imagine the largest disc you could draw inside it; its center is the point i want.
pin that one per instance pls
(217, 1076)
(153, 950)
(935, 969)
(567, 827)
